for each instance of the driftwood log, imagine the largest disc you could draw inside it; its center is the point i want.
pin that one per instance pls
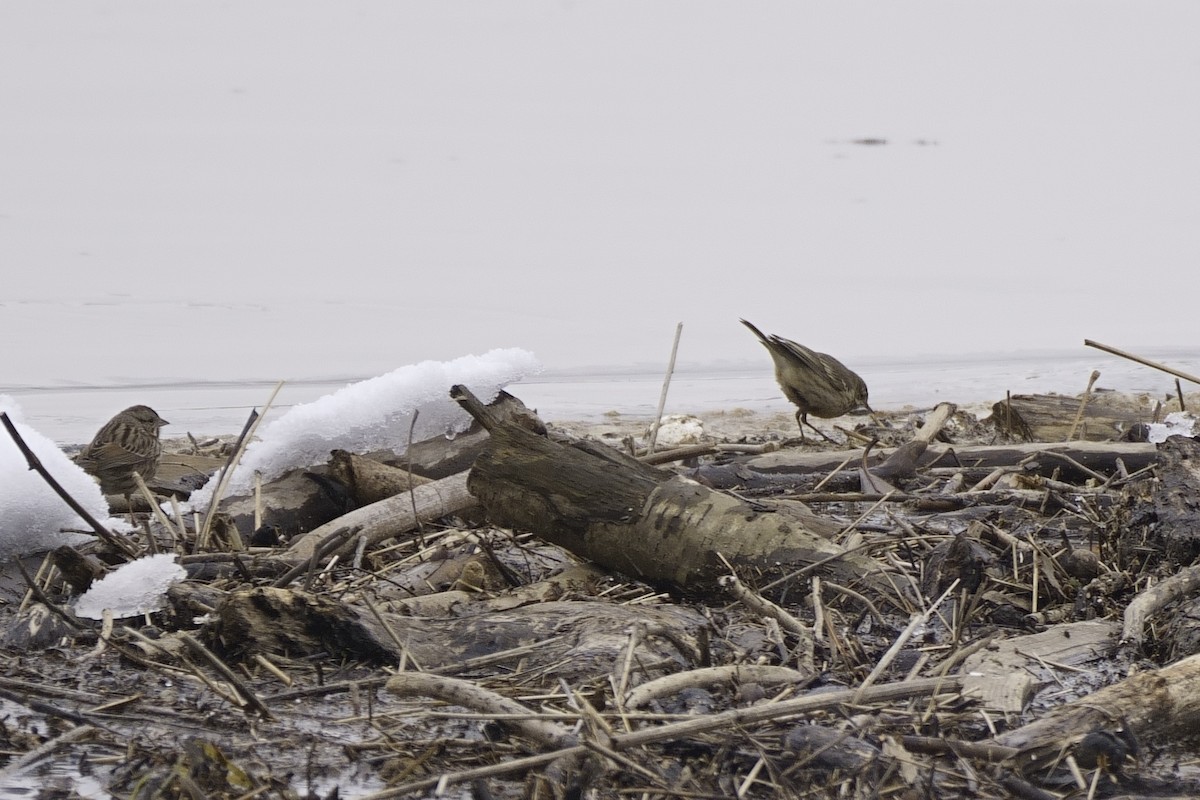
(385, 518)
(1106, 417)
(582, 639)
(1155, 705)
(666, 530)
(1099, 457)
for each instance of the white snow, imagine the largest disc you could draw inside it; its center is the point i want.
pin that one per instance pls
(679, 429)
(374, 414)
(33, 517)
(1177, 423)
(132, 589)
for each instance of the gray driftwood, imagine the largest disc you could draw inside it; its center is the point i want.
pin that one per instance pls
(1157, 705)
(778, 467)
(1004, 677)
(390, 517)
(1106, 417)
(664, 529)
(580, 639)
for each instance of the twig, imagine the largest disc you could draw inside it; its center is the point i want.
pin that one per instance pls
(730, 675)
(155, 508)
(391, 632)
(221, 667)
(762, 606)
(473, 696)
(70, 737)
(635, 637)
(412, 427)
(917, 621)
(45, 600)
(1087, 395)
(1140, 360)
(1074, 463)
(834, 471)
(326, 546)
(36, 465)
(252, 423)
(725, 720)
(678, 454)
(662, 398)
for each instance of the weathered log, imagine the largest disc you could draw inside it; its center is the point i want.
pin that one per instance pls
(391, 517)
(580, 639)
(442, 456)
(1004, 677)
(369, 481)
(1161, 704)
(1094, 456)
(626, 516)
(296, 502)
(1106, 417)
(1176, 501)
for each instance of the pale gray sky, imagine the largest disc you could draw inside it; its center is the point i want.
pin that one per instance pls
(302, 188)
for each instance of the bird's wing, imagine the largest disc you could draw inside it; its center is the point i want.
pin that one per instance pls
(806, 356)
(835, 373)
(109, 455)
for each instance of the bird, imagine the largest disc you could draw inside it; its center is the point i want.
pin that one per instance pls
(817, 383)
(1107, 750)
(126, 444)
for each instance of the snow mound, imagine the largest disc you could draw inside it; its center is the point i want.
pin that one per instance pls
(33, 518)
(374, 414)
(132, 589)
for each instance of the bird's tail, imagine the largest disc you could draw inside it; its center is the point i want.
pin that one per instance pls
(761, 337)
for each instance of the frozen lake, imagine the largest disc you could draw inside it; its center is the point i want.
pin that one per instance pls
(71, 414)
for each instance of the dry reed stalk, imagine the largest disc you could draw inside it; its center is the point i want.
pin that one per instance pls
(1087, 395)
(662, 398)
(1144, 361)
(227, 471)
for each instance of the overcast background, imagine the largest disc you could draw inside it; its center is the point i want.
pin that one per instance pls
(193, 190)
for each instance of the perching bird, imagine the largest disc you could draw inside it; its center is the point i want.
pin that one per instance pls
(126, 444)
(817, 383)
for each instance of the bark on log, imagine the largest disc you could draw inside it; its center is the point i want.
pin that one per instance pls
(369, 481)
(666, 530)
(298, 501)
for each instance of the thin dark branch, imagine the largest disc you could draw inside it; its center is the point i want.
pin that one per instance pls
(36, 465)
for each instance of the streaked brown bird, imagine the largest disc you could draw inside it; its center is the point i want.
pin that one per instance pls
(817, 383)
(127, 443)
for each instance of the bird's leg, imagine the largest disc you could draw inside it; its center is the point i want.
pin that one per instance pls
(803, 420)
(824, 435)
(129, 509)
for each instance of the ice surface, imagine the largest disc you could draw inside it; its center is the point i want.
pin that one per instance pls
(132, 589)
(32, 515)
(1177, 423)
(374, 414)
